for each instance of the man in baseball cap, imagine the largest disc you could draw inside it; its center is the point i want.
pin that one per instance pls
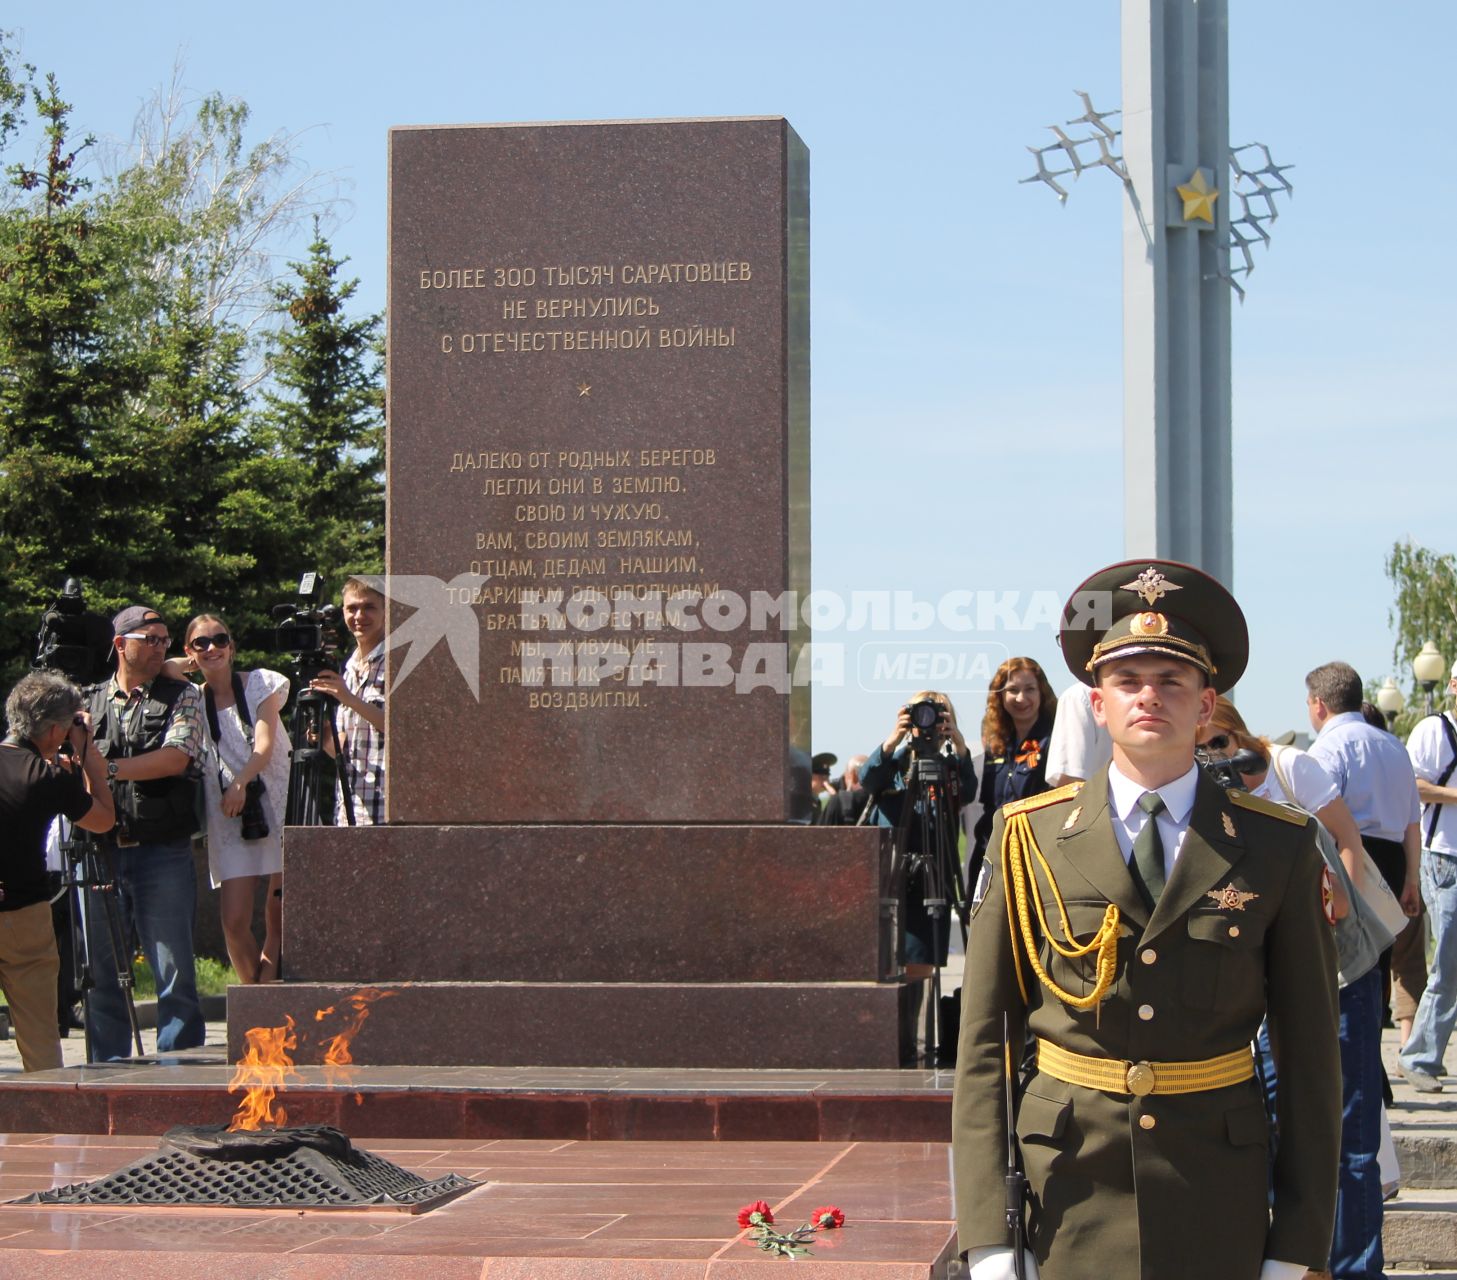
(150, 729)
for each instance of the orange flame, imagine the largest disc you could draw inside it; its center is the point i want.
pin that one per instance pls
(266, 1062)
(337, 1058)
(261, 1070)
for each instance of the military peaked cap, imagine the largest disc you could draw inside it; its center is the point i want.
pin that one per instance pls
(1155, 606)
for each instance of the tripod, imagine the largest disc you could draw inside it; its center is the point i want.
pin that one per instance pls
(312, 771)
(89, 878)
(931, 806)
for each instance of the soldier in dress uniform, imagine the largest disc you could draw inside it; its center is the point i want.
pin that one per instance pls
(1134, 930)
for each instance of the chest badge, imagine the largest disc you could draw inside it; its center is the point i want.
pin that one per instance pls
(1228, 824)
(1072, 818)
(1230, 898)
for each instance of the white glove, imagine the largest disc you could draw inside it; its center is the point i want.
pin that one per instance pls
(996, 1264)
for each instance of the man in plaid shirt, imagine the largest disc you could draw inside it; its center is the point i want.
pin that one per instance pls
(359, 689)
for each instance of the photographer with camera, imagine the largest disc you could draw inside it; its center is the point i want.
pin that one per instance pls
(359, 690)
(44, 713)
(928, 825)
(248, 759)
(151, 730)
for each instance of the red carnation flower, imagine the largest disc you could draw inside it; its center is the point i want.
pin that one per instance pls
(827, 1218)
(760, 1210)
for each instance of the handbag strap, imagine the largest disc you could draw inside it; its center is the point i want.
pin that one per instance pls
(239, 701)
(1436, 809)
(1280, 774)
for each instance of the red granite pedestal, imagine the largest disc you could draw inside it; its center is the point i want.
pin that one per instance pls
(631, 946)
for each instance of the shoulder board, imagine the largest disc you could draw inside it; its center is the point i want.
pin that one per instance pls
(1298, 817)
(1042, 801)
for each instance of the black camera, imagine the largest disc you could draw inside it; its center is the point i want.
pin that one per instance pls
(72, 640)
(1227, 773)
(255, 817)
(309, 631)
(926, 714)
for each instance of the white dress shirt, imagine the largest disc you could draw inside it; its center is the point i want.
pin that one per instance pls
(1129, 819)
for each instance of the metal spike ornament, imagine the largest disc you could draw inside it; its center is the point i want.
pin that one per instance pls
(1092, 146)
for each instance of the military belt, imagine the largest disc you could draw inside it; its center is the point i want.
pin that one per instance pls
(1116, 1075)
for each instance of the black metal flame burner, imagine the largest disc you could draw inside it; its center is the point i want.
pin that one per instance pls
(300, 1168)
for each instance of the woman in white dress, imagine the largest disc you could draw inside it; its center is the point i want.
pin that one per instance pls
(243, 748)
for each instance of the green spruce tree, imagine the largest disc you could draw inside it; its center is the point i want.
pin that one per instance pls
(324, 413)
(63, 385)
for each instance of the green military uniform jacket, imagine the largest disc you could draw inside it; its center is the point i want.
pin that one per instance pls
(1154, 1187)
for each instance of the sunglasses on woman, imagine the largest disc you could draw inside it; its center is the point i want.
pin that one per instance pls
(203, 643)
(1219, 742)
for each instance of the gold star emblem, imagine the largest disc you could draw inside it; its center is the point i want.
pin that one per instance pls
(584, 389)
(1151, 584)
(1230, 898)
(1199, 198)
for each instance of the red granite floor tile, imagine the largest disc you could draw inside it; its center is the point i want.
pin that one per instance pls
(129, 1266)
(632, 1210)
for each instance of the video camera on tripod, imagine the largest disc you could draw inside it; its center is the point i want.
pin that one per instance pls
(76, 643)
(309, 632)
(72, 640)
(925, 848)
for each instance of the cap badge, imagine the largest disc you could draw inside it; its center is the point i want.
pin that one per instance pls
(1230, 898)
(1148, 624)
(1151, 585)
(1072, 818)
(1228, 825)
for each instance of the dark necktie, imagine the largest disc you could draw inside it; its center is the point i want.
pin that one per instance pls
(1148, 851)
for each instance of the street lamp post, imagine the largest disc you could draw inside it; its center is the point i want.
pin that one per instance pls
(1428, 667)
(1391, 702)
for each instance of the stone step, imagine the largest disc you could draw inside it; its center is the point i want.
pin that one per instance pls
(1428, 1157)
(1420, 1230)
(729, 1025)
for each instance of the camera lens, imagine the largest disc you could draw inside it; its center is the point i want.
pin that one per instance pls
(924, 714)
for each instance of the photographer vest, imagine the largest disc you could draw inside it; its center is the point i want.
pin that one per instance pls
(160, 809)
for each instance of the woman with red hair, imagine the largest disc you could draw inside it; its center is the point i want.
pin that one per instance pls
(1014, 734)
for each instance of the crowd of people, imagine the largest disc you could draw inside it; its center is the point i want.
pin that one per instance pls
(1173, 925)
(163, 752)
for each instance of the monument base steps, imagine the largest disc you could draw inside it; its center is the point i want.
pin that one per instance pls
(753, 1026)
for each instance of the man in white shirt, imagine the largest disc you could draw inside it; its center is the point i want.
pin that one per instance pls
(1137, 929)
(1079, 746)
(1432, 747)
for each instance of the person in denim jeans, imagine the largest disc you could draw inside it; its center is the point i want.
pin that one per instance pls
(1375, 780)
(150, 729)
(1433, 750)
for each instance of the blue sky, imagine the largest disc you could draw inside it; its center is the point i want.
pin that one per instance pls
(966, 329)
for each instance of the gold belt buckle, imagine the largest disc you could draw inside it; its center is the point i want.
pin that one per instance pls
(1140, 1079)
